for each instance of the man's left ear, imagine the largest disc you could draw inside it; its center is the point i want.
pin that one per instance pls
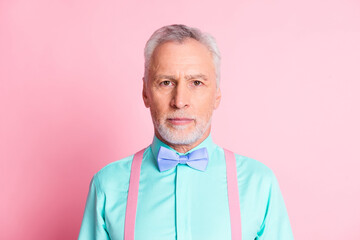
(217, 98)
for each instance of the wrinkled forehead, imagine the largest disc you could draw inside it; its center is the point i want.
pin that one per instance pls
(188, 42)
(187, 54)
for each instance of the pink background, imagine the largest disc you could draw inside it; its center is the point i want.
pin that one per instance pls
(70, 82)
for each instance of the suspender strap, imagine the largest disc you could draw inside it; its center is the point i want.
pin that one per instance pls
(130, 215)
(233, 195)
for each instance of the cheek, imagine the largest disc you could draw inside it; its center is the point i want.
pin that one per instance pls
(206, 101)
(205, 110)
(158, 107)
(162, 101)
(211, 105)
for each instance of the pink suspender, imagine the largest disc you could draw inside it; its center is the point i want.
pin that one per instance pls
(233, 196)
(130, 215)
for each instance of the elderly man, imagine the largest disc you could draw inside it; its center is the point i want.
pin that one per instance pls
(183, 186)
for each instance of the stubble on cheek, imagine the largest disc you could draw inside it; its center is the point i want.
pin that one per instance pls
(155, 117)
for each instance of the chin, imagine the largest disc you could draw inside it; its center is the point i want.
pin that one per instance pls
(180, 135)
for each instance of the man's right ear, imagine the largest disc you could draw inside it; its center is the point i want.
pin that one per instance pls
(144, 95)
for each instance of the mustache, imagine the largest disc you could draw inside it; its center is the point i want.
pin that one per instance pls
(180, 114)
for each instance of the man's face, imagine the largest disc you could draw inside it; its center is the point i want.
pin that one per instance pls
(181, 92)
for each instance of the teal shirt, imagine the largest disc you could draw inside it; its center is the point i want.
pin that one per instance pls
(184, 203)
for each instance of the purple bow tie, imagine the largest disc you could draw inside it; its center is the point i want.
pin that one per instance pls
(168, 159)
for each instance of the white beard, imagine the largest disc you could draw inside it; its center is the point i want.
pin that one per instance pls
(176, 137)
(175, 134)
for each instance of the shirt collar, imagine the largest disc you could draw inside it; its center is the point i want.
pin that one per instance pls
(208, 143)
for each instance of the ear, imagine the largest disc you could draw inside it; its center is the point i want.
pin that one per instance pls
(145, 95)
(217, 98)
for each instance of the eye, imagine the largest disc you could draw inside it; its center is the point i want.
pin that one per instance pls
(197, 83)
(165, 83)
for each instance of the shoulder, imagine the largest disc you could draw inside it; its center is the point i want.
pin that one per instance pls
(115, 174)
(254, 171)
(255, 179)
(252, 165)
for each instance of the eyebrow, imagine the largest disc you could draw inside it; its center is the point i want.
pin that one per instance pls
(162, 76)
(196, 76)
(187, 77)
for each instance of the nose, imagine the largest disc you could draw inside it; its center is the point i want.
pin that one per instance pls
(181, 97)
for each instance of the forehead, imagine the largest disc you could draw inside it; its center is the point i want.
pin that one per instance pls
(190, 54)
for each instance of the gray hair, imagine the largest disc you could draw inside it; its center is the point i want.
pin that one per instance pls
(178, 33)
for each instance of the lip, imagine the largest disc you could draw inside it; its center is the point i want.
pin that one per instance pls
(180, 121)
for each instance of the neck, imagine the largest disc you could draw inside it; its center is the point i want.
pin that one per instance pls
(183, 148)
